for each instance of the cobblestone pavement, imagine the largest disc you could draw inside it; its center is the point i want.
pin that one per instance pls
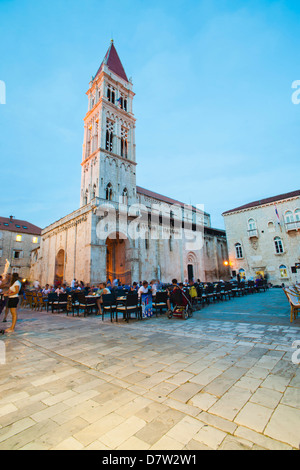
(224, 379)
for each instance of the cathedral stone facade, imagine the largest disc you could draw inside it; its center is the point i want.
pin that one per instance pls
(120, 229)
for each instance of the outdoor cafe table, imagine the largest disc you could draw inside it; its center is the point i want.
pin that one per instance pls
(145, 303)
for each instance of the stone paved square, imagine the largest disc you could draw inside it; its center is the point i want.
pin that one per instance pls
(223, 379)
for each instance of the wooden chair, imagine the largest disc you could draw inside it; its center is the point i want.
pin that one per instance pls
(294, 301)
(60, 303)
(86, 304)
(227, 290)
(41, 301)
(52, 297)
(297, 288)
(159, 302)
(35, 301)
(28, 299)
(131, 305)
(251, 287)
(209, 293)
(109, 305)
(219, 292)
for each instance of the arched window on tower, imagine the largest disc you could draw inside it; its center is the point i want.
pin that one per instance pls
(122, 102)
(88, 141)
(86, 197)
(109, 192)
(124, 142)
(109, 135)
(111, 94)
(95, 136)
(125, 196)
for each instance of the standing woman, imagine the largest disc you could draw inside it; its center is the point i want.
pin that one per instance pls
(13, 299)
(5, 286)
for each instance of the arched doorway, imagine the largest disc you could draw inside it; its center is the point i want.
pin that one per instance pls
(59, 267)
(117, 264)
(191, 260)
(190, 271)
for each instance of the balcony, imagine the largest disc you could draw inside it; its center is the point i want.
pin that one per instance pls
(289, 226)
(253, 233)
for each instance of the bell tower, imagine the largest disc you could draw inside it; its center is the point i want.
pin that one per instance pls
(108, 160)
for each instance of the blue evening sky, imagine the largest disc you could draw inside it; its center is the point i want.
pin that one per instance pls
(213, 81)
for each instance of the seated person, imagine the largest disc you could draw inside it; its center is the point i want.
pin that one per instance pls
(153, 288)
(171, 291)
(134, 287)
(46, 290)
(144, 289)
(61, 290)
(103, 290)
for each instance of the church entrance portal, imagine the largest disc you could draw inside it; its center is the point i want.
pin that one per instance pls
(117, 265)
(59, 267)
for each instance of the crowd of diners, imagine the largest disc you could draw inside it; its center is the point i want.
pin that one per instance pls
(140, 287)
(12, 288)
(192, 287)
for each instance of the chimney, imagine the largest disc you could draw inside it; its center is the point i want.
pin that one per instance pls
(11, 218)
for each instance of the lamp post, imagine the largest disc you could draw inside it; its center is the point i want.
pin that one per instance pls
(226, 263)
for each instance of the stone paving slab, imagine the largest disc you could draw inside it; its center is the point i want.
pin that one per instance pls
(223, 379)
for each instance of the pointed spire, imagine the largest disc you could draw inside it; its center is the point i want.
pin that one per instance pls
(113, 62)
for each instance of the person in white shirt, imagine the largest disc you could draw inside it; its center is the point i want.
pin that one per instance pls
(46, 290)
(13, 300)
(153, 288)
(61, 290)
(144, 289)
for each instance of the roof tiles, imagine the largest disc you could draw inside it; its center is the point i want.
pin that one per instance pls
(267, 200)
(113, 62)
(18, 226)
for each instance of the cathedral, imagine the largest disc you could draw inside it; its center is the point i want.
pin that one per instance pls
(121, 230)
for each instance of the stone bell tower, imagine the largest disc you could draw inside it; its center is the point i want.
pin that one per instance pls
(109, 162)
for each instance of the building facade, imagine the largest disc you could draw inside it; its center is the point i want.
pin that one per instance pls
(264, 238)
(18, 239)
(120, 229)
